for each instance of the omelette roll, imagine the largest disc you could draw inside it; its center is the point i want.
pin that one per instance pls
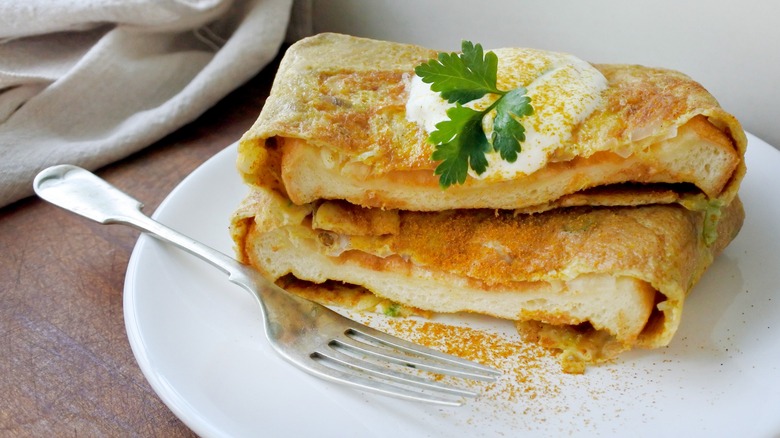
(591, 282)
(348, 119)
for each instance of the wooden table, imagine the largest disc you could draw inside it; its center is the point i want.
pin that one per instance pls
(66, 368)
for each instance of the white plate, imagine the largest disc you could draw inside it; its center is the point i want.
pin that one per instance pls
(199, 341)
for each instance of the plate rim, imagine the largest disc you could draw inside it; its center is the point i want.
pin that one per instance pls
(178, 404)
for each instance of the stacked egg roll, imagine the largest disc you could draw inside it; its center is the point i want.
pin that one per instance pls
(624, 191)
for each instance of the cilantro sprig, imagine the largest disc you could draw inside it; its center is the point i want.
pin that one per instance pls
(461, 141)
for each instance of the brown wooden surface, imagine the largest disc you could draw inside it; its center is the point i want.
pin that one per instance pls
(65, 363)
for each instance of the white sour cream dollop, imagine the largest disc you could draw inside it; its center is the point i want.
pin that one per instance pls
(564, 91)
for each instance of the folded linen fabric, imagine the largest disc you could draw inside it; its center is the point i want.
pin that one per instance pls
(90, 82)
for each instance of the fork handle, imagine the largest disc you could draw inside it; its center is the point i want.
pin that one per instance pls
(84, 193)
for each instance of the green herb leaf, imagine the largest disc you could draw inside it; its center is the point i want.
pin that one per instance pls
(461, 141)
(394, 309)
(712, 209)
(712, 215)
(461, 78)
(508, 133)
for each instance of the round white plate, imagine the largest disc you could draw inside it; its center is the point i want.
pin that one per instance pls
(199, 341)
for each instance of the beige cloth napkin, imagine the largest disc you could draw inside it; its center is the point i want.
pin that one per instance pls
(88, 82)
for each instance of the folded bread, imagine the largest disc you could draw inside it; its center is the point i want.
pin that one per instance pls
(623, 193)
(348, 119)
(591, 282)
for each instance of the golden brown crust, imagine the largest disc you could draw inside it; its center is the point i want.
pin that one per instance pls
(349, 97)
(345, 218)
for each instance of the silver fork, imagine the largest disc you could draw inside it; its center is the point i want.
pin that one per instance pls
(310, 336)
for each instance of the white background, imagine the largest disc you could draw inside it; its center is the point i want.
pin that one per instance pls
(730, 47)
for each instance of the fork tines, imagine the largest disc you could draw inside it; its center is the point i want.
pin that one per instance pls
(374, 361)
